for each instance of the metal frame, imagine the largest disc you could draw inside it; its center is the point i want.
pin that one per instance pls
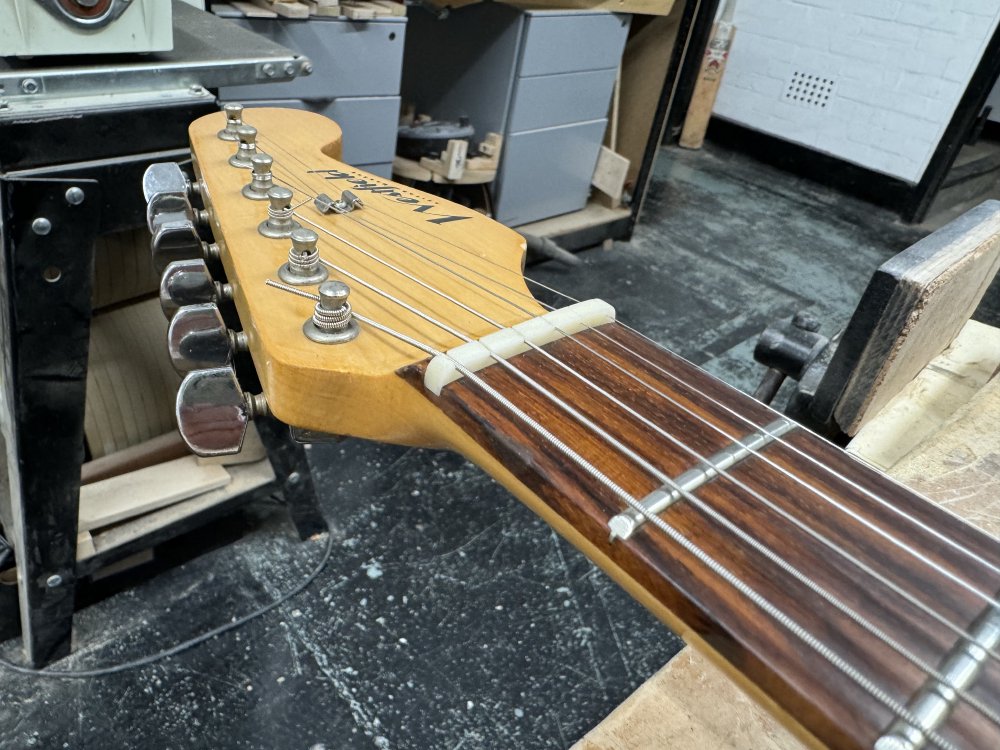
(52, 207)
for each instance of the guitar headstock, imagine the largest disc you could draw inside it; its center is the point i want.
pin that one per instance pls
(412, 262)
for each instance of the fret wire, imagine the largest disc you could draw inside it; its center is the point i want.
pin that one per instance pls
(660, 476)
(718, 568)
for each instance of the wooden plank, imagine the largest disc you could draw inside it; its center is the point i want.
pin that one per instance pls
(644, 71)
(161, 448)
(244, 479)
(253, 10)
(644, 7)
(357, 12)
(128, 495)
(910, 312)
(284, 9)
(131, 386)
(591, 215)
(931, 399)
(610, 174)
(394, 8)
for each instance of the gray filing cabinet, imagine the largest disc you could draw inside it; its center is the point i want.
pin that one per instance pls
(355, 81)
(543, 79)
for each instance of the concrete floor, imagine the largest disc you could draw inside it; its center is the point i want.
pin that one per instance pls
(448, 615)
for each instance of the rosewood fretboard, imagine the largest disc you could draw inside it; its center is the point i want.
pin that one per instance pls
(821, 698)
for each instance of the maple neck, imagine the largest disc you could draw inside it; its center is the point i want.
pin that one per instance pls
(835, 594)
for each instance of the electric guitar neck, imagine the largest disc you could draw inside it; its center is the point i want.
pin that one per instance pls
(860, 613)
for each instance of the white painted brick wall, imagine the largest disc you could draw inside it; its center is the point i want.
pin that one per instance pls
(899, 68)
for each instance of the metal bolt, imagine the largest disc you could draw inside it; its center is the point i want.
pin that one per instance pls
(41, 226)
(307, 68)
(269, 70)
(289, 69)
(29, 86)
(196, 89)
(294, 477)
(74, 196)
(54, 581)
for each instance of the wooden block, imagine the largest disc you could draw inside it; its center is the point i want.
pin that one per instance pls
(125, 496)
(689, 703)
(284, 8)
(244, 479)
(610, 174)
(931, 399)
(162, 448)
(252, 10)
(393, 8)
(131, 386)
(356, 12)
(329, 11)
(911, 311)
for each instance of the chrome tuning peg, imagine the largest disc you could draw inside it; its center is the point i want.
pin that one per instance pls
(247, 137)
(198, 338)
(175, 238)
(279, 223)
(212, 411)
(188, 282)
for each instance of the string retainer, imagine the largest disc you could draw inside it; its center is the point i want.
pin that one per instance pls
(347, 203)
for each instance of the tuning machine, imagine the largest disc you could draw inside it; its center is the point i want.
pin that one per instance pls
(213, 411)
(178, 239)
(169, 193)
(198, 338)
(189, 282)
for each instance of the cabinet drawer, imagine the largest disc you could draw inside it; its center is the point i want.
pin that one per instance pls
(568, 42)
(349, 59)
(547, 172)
(547, 101)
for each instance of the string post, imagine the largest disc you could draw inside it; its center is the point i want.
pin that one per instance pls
(234, 120)
(247, 137)
(261, 180)
(332, 321)
(279, 223)
(303, 267)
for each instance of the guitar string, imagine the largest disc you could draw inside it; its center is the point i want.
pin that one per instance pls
(664, 479)
(913, 600)
(775, 613)
(632, 455)
(988, 599)
(795, 449)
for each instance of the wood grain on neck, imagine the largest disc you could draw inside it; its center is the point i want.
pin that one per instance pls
(801, 683)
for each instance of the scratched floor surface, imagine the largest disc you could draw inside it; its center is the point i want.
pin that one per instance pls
(448, 615)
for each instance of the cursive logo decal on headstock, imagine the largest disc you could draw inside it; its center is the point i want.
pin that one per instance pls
(391, 192)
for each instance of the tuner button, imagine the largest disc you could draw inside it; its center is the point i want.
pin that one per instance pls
(234, 119)
(198, 338)
(164, 207)
(188, 282)
(164, 177)
(175, 239)
(247, 149)
(213, 412)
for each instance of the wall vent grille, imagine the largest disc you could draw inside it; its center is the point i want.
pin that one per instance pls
(809, 90)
